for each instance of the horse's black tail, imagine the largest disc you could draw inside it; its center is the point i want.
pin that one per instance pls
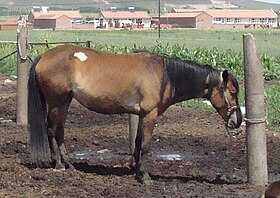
(37, 112)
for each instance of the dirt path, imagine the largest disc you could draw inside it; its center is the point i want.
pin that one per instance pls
(191, 156)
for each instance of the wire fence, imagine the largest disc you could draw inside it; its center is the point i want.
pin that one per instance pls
(46, 43)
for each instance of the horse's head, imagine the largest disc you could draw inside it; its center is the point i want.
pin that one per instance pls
(224, 98)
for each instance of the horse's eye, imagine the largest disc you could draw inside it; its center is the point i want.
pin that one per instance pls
(232, 91)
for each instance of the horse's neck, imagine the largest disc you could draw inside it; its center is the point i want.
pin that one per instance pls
(189, 84)
(188, 94)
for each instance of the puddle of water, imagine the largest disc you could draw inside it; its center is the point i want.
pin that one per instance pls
(98, 156)
(95, 156)
(82, 155)
(171, 157)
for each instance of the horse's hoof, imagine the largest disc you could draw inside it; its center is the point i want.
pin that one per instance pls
(144, 178)
(133, 167)
(70, 166)
(59, 166)
(147, 182)
(43, 164)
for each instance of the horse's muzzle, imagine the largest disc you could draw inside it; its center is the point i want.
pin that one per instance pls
(234, 118)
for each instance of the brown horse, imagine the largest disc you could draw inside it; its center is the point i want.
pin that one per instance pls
(141, 84)
(272, 191)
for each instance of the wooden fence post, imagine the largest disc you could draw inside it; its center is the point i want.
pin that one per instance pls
(255, 114)
(22, 73)
(88, 44)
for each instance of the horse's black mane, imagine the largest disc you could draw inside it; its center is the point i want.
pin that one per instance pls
(235, 83)
(188, 77)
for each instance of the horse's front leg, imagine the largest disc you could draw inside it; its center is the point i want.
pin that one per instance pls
(144, 134)
(133, 125)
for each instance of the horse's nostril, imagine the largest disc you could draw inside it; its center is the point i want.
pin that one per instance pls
(231, 124)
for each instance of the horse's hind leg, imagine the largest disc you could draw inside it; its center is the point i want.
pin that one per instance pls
(60, 137)
(53, 115)
(56, 122)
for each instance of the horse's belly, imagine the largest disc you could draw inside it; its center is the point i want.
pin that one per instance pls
(108, 103)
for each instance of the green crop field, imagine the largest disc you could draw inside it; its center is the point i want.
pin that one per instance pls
(267, 40)
(219, 48)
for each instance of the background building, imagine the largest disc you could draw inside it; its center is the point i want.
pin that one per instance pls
(132, 18)
(42, 18)
(221, 18)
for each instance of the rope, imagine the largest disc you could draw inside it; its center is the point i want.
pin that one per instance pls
(20, 54)
(255, 120)
(30, 59)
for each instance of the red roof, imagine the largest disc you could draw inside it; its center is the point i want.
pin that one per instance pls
(125, 15)
(56, 14)
(181, 15)
(51, 16)
(225, 13)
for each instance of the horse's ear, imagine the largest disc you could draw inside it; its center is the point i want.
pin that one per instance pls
(225, 76)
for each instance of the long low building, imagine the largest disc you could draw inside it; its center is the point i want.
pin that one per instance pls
(42, 17)
(187, 19)
(53, 19)
(114, 18)
(224, 18)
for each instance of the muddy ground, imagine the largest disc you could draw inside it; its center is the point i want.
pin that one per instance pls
(191, 156)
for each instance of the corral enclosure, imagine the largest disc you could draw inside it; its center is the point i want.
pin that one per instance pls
(187, 168)
(222, 49)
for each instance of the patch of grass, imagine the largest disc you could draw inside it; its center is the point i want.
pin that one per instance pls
(267, 40)
(273, 105)
(8, 65)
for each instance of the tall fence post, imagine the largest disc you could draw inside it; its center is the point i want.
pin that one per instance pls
(88, 44)
(255, 114)
(22, 73)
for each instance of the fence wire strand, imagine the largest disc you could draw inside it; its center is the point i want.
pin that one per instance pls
(8, 55)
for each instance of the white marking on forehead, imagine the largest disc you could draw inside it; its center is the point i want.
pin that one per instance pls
(81, 55)
(221, 76)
